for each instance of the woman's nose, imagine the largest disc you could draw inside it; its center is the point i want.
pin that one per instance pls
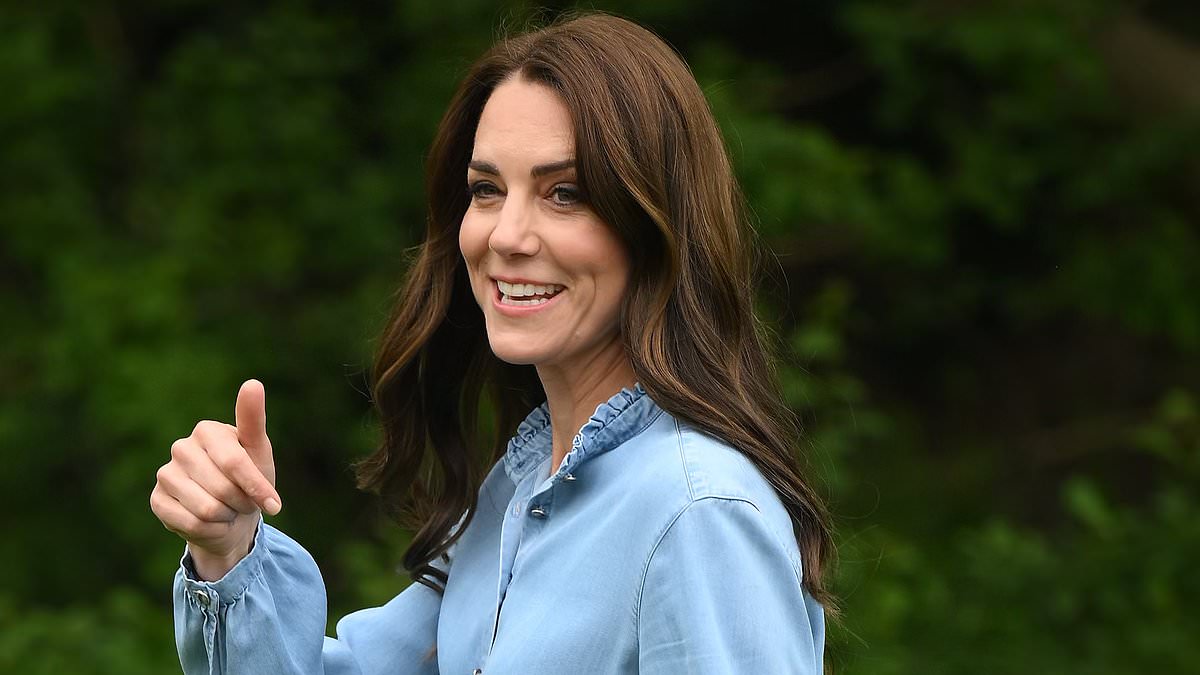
(514, 231)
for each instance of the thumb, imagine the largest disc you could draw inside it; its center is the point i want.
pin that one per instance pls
(250, 415)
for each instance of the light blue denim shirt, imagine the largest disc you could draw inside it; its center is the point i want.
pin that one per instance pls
(652, 549)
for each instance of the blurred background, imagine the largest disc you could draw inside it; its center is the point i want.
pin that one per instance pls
(984, 220)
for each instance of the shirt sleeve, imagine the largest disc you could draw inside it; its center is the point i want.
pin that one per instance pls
(722, 594)
(268, 613)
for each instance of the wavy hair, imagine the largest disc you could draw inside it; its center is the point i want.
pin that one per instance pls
(652, 164)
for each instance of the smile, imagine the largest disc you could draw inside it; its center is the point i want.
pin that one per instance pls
(522, 299)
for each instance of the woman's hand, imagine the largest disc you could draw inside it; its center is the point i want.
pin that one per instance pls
(218, 478)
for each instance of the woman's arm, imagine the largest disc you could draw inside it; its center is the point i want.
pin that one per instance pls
(268, 614)
(721, 594)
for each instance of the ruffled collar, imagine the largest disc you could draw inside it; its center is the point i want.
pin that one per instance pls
(616, 420)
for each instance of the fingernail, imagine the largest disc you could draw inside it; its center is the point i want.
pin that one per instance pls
(273, 505)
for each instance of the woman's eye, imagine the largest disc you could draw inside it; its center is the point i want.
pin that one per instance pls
(565, 195)
(482, 190)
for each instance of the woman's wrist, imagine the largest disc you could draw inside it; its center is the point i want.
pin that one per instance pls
(211, 566)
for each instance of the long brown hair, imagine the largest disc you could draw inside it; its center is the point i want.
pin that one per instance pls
(652, 164)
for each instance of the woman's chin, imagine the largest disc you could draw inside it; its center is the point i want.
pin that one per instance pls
(511, 350)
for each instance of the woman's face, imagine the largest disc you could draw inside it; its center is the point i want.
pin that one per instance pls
(547, 272)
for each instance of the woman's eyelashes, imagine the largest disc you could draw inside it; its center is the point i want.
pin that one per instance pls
(562, 195)
(568, 192)
(482, 189)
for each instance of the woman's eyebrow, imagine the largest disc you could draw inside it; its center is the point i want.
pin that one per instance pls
(536, 172)
(553, 167)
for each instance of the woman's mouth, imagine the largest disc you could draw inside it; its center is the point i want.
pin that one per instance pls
(526, 295)
(518, 300)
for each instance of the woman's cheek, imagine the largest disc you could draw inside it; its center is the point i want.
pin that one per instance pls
(472, 239)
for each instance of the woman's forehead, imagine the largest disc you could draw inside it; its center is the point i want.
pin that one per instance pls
(524, 123)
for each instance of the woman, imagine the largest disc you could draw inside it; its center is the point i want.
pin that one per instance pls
(586, 250)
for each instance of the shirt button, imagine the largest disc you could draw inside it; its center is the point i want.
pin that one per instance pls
(569, 476)
(537, 512)
(477, 671)
(201, 597)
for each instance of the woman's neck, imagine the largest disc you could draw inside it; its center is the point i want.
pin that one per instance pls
(574, 390)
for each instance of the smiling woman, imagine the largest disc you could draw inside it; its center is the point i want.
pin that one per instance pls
(549, 274)
(585, 280)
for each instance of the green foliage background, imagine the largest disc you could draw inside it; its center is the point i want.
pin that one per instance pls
(985, 225)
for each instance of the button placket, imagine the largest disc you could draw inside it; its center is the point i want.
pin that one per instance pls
(203, 598)
(512, 531)
(541, 504)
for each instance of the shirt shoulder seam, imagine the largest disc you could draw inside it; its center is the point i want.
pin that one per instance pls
(687, 473)
(637, 615)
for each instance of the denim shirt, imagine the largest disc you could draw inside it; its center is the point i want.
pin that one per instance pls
(653, 548)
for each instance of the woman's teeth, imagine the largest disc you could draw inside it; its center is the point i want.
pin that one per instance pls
(526, 294)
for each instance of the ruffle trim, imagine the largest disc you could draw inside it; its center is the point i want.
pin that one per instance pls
(522, 449)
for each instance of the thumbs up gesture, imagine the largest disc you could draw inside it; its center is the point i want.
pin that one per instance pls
(218, 478)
